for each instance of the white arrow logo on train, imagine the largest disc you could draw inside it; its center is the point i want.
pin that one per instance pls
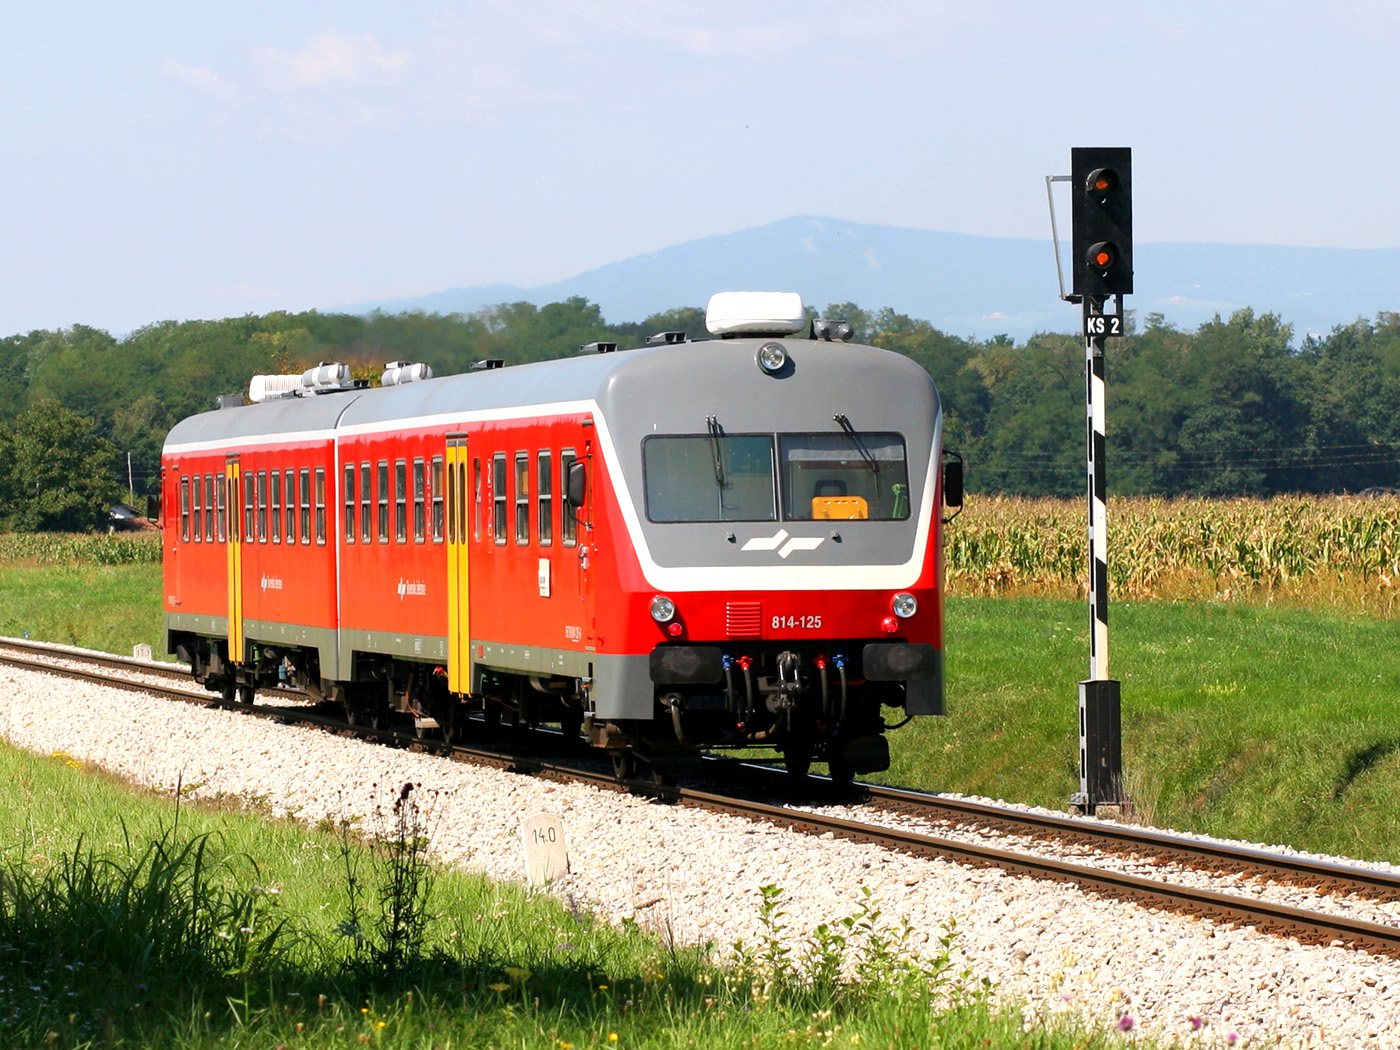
(773, 543)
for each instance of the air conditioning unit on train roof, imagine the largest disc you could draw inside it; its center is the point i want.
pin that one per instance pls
(755, 313)
(272, 388)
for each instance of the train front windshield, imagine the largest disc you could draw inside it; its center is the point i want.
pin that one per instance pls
(757, 477)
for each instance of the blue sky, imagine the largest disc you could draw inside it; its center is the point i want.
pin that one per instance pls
(195, 159)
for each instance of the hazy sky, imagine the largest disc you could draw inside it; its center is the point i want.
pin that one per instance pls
(198, 159)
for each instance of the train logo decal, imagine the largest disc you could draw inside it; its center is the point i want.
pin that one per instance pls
(271, 583)
(794, 543)
(412, 588)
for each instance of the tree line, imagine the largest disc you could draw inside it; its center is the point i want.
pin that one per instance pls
(1237, 407)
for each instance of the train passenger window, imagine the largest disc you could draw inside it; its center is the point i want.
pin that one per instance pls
(305, 504)
(289, 505)
(568, 523)
(709, 477)
(276, 515)
(198, 530)
(437, 493)
(366, 502)
(248, 487)
(401, 500)
(185, 509)
(498, 498)
(349, 503)
(476, 512)
(852, 475)
(522, 497)
(321, 505)
(262, 506)
(420, 504)
(208, 508)
(220, 487)
(544, 494)
(382, 493)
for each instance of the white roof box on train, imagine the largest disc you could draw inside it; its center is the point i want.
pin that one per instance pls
(755, 313)
(270, 388)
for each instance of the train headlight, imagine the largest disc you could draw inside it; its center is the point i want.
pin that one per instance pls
(772, 357)
(663, 610)
(904, 605)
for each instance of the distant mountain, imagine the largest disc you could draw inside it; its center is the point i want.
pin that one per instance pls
(966, 285)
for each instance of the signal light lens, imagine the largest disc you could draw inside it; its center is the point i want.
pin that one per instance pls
(889, 624)
(1101, 183)
(1102, 256)
(772, 357)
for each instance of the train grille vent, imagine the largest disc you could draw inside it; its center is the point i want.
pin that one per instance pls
(743, 619)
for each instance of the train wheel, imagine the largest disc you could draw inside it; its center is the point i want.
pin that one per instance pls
(228, 693)
(624, 763)
(352, 714)
(246, 692)
(840, 771)
(798, 762)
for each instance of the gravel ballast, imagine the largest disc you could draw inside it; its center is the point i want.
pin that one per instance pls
(695, 876)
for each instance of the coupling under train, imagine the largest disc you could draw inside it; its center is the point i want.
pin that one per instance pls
(690, 546)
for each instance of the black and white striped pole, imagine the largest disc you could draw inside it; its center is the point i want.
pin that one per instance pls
(1102, 246)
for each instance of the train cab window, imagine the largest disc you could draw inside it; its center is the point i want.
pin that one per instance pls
(852, 475)
(275, 518)
(321, 505)
(349, 503)
(382, 495)
(522, 498)
(420, 504)
(220, 487)
(304, 505)
(366, 502)
(185, 509)
(198, 529)
(568, 522)
(401, 500)
(262, 506)
(709, 477)
(437, 494)
(544, 496)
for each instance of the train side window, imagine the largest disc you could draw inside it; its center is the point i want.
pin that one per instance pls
(544, 495)
(568, 523)
(382, 497)
(498, 498)
(304, 505)
(262, 506)
(289, 505)
(220, 488)
(349, 503)
(366, 502)
(321, 505)
(197, 531)
(437, 493)
(276, 515)
(476, 488)
(522, 498)
(249, 484)
(401, 500)
(420, 505)
(185, 509)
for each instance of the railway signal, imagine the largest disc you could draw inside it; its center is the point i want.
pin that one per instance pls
(1101, 210)
(1101, 220)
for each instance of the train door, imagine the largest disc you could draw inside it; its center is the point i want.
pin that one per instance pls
(459, 670)
(233, 501)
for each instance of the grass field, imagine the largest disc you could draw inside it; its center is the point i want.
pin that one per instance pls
(126, 921)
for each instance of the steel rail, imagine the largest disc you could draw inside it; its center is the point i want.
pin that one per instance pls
(1309, 926)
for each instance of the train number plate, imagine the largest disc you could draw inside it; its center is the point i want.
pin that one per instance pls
(809, 622)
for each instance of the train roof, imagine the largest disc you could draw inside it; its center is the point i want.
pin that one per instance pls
(658, 380)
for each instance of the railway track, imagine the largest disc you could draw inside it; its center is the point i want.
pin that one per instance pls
(1306, 924)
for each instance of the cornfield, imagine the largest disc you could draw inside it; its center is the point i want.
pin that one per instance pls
(1333, 551)
(48, 548)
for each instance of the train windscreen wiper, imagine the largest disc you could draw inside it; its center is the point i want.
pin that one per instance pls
(716, 433)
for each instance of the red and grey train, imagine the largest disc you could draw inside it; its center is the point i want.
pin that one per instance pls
(690, 546)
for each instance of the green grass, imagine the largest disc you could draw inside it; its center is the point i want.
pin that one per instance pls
(128, 922)
(1268, 724)
(106, 607)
